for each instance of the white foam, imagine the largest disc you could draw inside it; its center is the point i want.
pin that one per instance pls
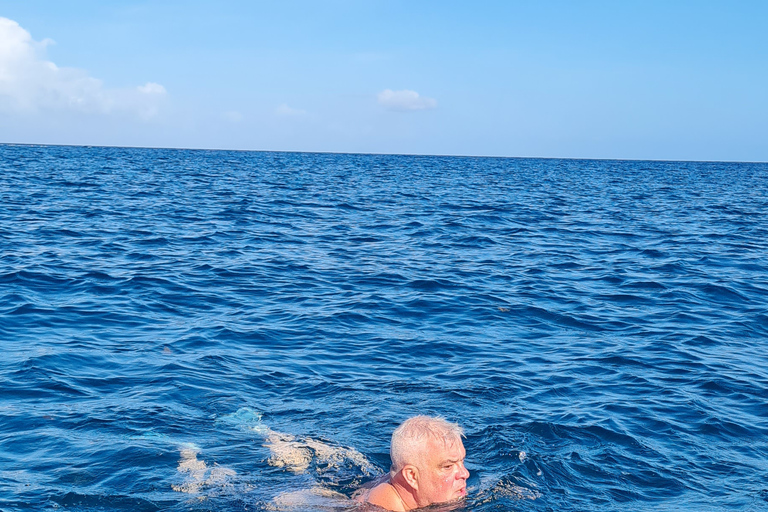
(295, 454)
(316, 498)
(196, 472)
(286, 452)
(292, 453)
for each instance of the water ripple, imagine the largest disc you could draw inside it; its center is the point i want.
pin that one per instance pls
(598, 327)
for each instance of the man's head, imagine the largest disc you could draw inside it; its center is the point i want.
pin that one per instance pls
(428, 455)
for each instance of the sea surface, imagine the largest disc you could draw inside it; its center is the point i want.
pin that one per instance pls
(212, 330)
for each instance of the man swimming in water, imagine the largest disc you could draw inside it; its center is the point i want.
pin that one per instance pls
(427, 466)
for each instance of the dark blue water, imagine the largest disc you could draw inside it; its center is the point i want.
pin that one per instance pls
(210, 330)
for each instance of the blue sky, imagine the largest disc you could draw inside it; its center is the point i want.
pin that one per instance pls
(683, 80)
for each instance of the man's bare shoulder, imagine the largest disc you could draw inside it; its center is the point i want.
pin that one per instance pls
(382, 494)
(385, 496)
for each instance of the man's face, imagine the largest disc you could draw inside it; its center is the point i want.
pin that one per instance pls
(442, 476)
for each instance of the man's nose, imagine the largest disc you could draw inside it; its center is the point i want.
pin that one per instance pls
(463, 472)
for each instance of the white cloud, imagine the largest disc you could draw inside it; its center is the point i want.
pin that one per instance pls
(286, 111)
(30, 83)
(405, 100)
(151, 88)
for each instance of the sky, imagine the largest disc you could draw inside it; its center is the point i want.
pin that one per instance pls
(655, 80)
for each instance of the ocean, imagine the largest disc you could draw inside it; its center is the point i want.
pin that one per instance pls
(191, 330)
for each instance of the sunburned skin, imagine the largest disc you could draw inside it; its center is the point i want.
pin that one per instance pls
(438, 476)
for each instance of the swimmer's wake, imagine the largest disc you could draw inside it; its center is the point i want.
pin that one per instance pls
(323, 470)
(198, 474)
(295, 454)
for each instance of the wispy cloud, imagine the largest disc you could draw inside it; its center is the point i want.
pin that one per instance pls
(286, 111)
(151, 88)
(29, 82)
(405, 100)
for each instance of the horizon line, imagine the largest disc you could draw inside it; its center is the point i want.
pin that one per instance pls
(382, 154)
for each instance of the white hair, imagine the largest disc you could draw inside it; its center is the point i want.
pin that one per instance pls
(408, 440)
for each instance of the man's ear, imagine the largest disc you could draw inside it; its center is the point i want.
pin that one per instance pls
(411, 475)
